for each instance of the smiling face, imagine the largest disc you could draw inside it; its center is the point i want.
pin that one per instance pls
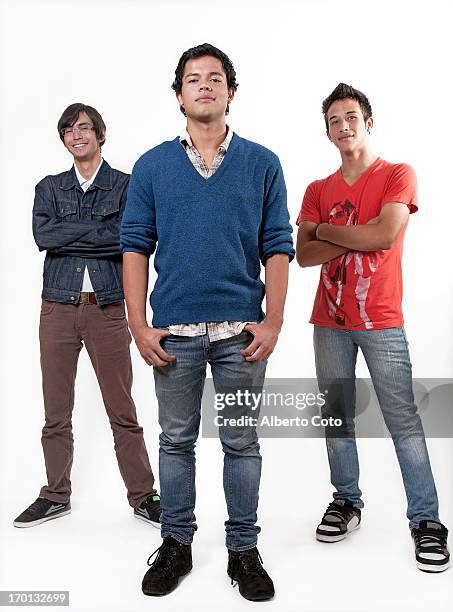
(204, 93)
(81, 140)
(348, 129)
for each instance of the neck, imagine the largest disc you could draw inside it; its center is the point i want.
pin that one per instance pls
(88, 167)
(207, 135)
(354, 163)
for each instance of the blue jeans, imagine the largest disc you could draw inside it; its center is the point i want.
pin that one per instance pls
(179, 389)
(387, 357)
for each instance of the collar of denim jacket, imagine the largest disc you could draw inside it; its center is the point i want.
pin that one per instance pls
(103, 179)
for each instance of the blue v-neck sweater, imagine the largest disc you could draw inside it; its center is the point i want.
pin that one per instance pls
(211, 234)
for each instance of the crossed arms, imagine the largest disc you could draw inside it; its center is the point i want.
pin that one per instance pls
(317, 244)
(78, 238)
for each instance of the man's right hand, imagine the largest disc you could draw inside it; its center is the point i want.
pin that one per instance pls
(148, 341)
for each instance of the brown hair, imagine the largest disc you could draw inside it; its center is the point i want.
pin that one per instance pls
(71, 114)
(342, 92)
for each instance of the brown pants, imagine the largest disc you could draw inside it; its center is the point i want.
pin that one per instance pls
(63, 330)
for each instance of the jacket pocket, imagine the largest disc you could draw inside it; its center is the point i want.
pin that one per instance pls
(106, 208)
(66, 207)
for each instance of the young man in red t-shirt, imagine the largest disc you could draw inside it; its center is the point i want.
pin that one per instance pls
(353, 223)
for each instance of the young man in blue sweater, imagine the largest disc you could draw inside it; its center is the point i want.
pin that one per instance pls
(212, 205)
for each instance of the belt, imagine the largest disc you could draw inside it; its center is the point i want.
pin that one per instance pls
(87, 297)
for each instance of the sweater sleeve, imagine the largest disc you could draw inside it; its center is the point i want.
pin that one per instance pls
(276, 230)
(138, 227)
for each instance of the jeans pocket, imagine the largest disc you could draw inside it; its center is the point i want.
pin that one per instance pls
(114, 311)
(47, 307)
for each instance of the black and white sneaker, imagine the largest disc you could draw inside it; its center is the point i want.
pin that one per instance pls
(40, 511)
(149, 510)
(431, 551)
(340, 518)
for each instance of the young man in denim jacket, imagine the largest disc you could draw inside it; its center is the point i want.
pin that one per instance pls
(76, 219)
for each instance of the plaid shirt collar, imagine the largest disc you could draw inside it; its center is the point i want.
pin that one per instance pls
(186, 140)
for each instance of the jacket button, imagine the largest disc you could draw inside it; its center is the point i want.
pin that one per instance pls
(79, 269)
(72, 297)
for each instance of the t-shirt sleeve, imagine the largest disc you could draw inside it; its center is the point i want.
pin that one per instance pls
(402, 187)
(310, 210)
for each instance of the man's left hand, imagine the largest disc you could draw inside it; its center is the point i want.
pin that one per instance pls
(263, 343)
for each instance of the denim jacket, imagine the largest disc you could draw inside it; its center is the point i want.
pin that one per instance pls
(80, 229)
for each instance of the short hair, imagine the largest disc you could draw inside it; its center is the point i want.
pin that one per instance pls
(342, 92)
(202, 51)
(71, 114)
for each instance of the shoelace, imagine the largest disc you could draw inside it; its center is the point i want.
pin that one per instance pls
(164, 557)
(41, 504)
(431, 541)
(251, 564)
(339, 512)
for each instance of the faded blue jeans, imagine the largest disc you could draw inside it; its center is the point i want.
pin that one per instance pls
(179, 389)
(387, 357)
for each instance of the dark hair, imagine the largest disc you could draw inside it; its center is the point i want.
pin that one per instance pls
(71, 114)
(202, 51)
(343, 91)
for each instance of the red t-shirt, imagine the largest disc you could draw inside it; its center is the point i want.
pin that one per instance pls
(360, 289)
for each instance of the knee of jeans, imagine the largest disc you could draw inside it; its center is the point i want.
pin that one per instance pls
(404, 423)
(340, 421)
(54, 424)
(177, 443)
(244, 446)
(412, 449)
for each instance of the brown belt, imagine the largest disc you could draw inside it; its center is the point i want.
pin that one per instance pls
(87, 297)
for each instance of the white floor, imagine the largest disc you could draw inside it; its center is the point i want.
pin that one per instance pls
(99, 551)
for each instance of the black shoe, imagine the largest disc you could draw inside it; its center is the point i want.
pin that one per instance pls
(40, 511)
(173, 561)
(431, 551)
(246, 568)
(340, 518)
(149, 510)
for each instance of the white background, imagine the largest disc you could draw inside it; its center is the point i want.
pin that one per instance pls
(120, 57)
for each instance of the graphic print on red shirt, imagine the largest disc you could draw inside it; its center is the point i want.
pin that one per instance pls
(360, 289)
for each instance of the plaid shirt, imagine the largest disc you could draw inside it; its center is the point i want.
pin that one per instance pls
(225, 329)
(197, 160)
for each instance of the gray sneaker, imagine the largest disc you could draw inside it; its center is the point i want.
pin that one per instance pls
(149, 510)
(40, 511)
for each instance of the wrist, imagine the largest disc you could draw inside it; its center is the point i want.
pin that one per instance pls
(275, 322)
(319, 231)
(137, 327)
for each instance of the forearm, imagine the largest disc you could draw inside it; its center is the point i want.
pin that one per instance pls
(135, 285)
(50, 233)
(276, 285)
(369, 237)
(317, 252)
(102, 241)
